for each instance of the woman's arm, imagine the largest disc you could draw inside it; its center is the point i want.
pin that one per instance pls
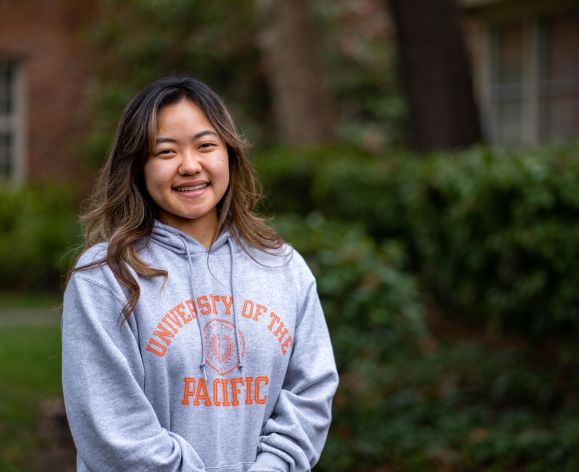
(112, 422)
(293, 437)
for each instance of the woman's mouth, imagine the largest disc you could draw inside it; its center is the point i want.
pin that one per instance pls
(191, 188)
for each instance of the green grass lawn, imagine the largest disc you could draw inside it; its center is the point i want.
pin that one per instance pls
(18, 300)
(29, 374)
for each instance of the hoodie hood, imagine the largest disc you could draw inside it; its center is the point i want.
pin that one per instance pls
(178, 241)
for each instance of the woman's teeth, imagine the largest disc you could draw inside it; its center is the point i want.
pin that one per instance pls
(191, 189)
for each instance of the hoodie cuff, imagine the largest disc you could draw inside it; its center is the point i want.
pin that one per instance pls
(268, 462)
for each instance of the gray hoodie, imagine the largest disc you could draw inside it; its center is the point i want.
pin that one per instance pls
(227, 365)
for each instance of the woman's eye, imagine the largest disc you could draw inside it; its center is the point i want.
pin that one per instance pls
(206, 145)
(164, 152)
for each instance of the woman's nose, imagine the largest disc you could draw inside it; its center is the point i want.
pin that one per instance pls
(189, 164)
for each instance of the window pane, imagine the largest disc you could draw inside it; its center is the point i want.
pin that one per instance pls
(560, 118)
(507, 84)
(509, 49)
(6, 87)
(5, 155)
(559, 99)
(509, 123)
(560, 47)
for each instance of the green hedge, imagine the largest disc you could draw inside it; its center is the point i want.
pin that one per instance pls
(373, 303)
(346, 184)
(460, 407)
(498, 235)
(493, 233)
(38, 229)
(408, 401)
(374, 314)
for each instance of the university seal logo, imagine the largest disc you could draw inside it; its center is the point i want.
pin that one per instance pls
(219, 346)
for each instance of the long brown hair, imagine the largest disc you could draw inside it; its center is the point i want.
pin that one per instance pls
(121, 212)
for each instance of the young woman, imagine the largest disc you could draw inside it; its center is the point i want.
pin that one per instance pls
(193, 337)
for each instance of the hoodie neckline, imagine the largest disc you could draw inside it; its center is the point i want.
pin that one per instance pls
(174, 239)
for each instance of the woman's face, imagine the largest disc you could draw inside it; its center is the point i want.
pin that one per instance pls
(187, 172)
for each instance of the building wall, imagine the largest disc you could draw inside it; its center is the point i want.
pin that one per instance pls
(47, 37)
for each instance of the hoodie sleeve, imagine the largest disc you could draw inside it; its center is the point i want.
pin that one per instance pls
(293, 437)
(112, 422)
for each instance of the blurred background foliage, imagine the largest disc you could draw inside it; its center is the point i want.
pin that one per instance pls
(448, 284)
(38, 228)
(448, 278)
(214, 41)
(491, 231)
(221, 43)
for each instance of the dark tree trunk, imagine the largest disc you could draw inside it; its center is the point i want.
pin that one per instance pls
(436, 74)
(302, 103)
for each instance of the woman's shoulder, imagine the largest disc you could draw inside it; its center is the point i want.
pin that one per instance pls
(91, 268)
(285, 257)
(93, 255)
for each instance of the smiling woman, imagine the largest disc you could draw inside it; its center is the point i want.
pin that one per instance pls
(193, 337)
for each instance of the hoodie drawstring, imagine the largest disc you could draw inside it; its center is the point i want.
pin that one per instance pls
(231, 284)
(202, 366)
(190, 263)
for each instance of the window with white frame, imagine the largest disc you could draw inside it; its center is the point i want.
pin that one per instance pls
(534, 81)
(11, 146)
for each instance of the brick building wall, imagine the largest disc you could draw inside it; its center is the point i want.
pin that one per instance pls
(47, 39)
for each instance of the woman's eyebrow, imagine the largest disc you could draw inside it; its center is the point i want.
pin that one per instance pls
(206, 132)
